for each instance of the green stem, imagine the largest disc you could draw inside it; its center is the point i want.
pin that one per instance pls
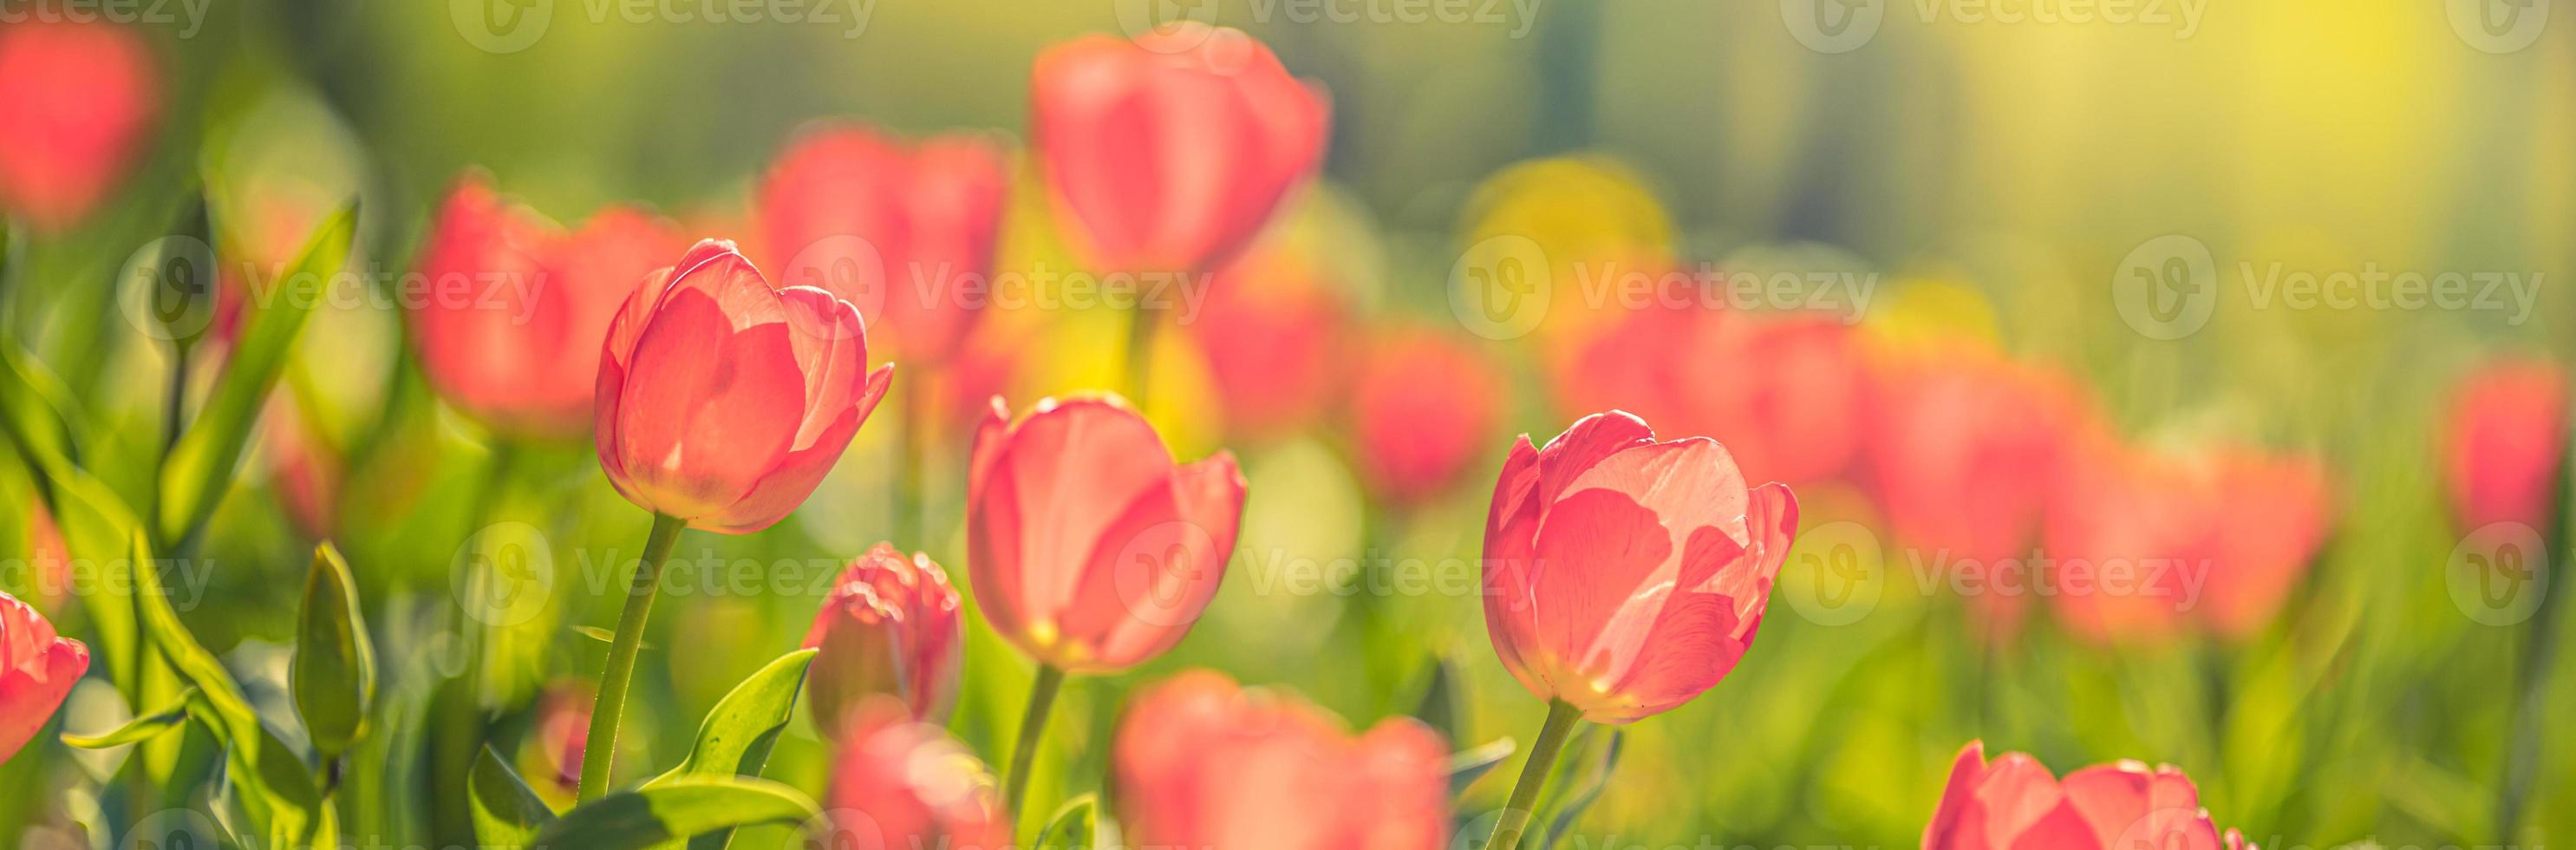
(1551, 739)
(1141, 324)
(1024, 752)
(599, 749)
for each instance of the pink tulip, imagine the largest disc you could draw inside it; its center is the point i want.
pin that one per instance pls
(2125, 537)
(37, 670)
(1090, 549)
(1273, 334)
(1167, 153)
(1203, 763)
(1624, 576)
(77, 99)
(1781, 391)
(563, 726)
(722, 400)
(890, 627)
(2274, 512)
(2504, 436)
(894, 229)
(1423, 405)
(899, 784)
(2014, 803)
(509, 329)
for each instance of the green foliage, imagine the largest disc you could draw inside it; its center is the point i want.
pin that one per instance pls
(333, 676)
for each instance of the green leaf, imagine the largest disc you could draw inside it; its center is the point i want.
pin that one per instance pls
(1442, 707)
(506, 812)
(736, 736)
(1467, 766)
(1077, 825)
(200, 466)
(676, 809)
(333, 676)
(138, 729)
(1581, 796)
(35, 410)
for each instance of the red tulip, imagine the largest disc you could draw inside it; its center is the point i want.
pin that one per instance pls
(2274, 512)
(563, 726)
(1781, 391)
(49, 557)
(2503, 439)
(1625, 576)
(1272, 333)
(1167, 153)
(510, 327)
(898, 784)
(890, 627)
(1090, 549)
(304, 471)
(722, 400)
(1422, 406)
(37, 670)
(76, 104)
(2014, 803)
(2126, 534)
(892, 229)
(1202, 763)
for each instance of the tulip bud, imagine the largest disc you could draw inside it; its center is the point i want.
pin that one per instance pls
(1624, 576)
(1169, 152)
(899, 784)
(37, 670)
(722, 400)
(1422, 408)
(2504, 438)
(889, 627)
(333, 676)
(890, 228)
(1185, 758)
(2014, 802)
(1090, 549)
(77, 98)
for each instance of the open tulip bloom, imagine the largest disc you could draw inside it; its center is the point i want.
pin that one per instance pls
(2013, 802)
(1623, 576)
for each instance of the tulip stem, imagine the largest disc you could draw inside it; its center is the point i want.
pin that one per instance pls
(599, 748)
(1551, 739)
(1024, 752)
(1141, 322)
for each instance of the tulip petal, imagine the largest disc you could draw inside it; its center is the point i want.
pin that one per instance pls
(1945, 831)
(707, 412)
(1070, 470)
(797, 474)
(1603, 573)
(1591, 440)
(1156, 567)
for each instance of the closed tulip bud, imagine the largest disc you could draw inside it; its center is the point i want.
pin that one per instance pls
(899, 784)
(1203, 763)
(722, 400)
(2504, 437)
(511, 326)
(1090, 548)
(77, 97)
(1423, 407)
(1624, 576)
(333, 677)
(1169, 152)
(2014, 802)
(889, 627)
(893, 229)
(37, 670)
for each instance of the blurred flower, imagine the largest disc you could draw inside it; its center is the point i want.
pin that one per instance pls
(892, 229)
(50, 558)
(1587, 219)
(2273, 512)
(1203, 763)
(1422, 406)
(1090, 549)
(2124, 534)
(899, 784)
(1625, 576)
(2014, 802)
(889, 627)
(722, 400)
(1272, 333)
(510, 327)
(1781, 391)
(37, 670)
(1166, 154)
(77, 99)
(303, 469)
(562, 730)
(2504, 438)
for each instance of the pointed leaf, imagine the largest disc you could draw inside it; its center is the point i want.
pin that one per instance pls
(506, 812)
(1076, 826)
(736, 735)
(675, 809)
(273, 785)
(138, 729)
(1581, 796)
(1467, 766)
(333, 676)
(1441, 703)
